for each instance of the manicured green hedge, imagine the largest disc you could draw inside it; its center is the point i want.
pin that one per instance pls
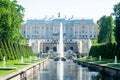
(108, 50)
(14, 51)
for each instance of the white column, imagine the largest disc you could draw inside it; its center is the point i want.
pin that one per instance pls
(38, 50)
(57, 48)
(73, 31)
(77, 31)
(89, 44)
(80, 46)
(30, 42)
(44, 31)
(26, 31)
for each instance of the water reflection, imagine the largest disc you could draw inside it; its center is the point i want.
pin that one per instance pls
(58, 70)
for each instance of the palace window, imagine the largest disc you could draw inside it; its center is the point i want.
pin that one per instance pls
(83, 36)
(66, 27)
(94, 36)
(34, 31)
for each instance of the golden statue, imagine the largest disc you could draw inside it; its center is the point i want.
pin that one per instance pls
(58, 14)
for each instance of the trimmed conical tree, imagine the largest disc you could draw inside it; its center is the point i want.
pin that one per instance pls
(10, 49)
(1, 55)
(9, 56)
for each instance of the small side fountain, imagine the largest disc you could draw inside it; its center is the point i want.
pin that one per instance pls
(4, 62)
(115, 60)
(30, 60)
(101, 61)
(36, 59)
(4, 67)
(80, 56)
(22, 62)
(91, 59)
(100, 58)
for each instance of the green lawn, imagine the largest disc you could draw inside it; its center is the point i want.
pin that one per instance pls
(10, 63)
(103, 62)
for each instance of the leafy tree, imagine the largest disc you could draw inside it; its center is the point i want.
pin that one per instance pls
(11, 17)
(117, 22)
(106, 25)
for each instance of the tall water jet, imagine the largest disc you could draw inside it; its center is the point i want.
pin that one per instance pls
(61, 41)
(61, 54)
(60, 70)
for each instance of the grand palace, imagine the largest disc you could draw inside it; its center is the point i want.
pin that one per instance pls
(43, 34)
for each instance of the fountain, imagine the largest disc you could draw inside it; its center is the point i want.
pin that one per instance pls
(101, 61)
(60, 70)
(4, 67)
(61, 54)
(36, 59)
(61, 41)
(30, 59)
(99, 58)
(4, 62)
(91, 59)
(22, 62)
(115, 60)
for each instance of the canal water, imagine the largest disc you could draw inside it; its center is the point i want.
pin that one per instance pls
(59, 70)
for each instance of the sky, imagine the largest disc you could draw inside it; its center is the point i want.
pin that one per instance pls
(90, 9)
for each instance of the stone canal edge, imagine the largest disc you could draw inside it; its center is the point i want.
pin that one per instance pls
(104, 70)
(22, 74)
